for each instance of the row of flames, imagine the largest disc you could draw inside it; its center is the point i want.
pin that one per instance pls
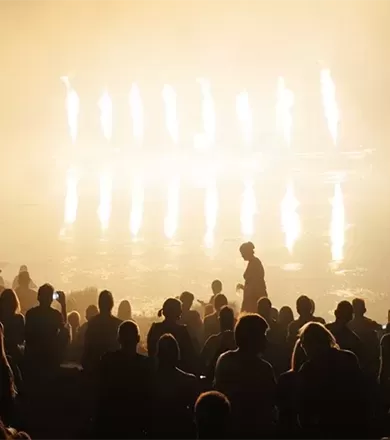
(290, 219)
(284, 106)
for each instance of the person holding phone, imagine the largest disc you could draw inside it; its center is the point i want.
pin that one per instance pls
(46, 332)
(254, 287)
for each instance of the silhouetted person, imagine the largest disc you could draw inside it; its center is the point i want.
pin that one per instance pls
(211, 322)
(368, 331)
(219, 343)
(247, 380)
(332, 395)
(287, 389)
(255, 286)
(13, 323)
(90, 312)
(191, 318)
(274, 314)
(74, 349)
(305, 311)
(125, 391)
(74, 323)
(124, 310)
(345, 337)
(384, 376)
(27, 296)
(264, 309)
(216, 288)
(360, 324)
(213, 416)
(2, 283)
(45, 332)
(171, 311)
(7, 385)
(176, 392)
(16, 281)
(101, 333)
(275, 351)
(285, 318)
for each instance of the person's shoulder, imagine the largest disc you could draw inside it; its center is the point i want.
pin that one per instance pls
(156, 325)
(55, 313)
(385, 339)
(111, 355)
(319, 320)
(210, 318)
(347, 356)
(189, 377)
(95, 320)
(373, 325)
(211, 339)
(32, 312)
(227, 356)
(19, 317)
(116, 320)
(111, 358)
(293, 326)
(265, 365)
(146, 362)
(330, 326)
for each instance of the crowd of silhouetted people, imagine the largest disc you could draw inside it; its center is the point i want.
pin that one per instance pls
(203, 371)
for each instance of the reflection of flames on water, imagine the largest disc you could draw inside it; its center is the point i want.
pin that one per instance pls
(104, 209)
(137, 205)
(337, 227)
(171, 218)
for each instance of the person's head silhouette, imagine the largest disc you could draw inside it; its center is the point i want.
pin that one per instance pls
(250, 333)
(74, 319)
(304, 307)
(247, 250)
(128, 336)
(359, 307)
(45, 295)
(344, 312)
(91, 311)
(216, 287)
(226, 318)
(187, 299)
(168, 351)
(264, 307)
(172, 309)
(219, 301)
(106, 302)
(286, 316)
(24, 279)
(212, 415)
(9, 303)
(316, 339)
(124, 310)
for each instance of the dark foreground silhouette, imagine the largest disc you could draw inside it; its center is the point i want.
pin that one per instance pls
(200, 373)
